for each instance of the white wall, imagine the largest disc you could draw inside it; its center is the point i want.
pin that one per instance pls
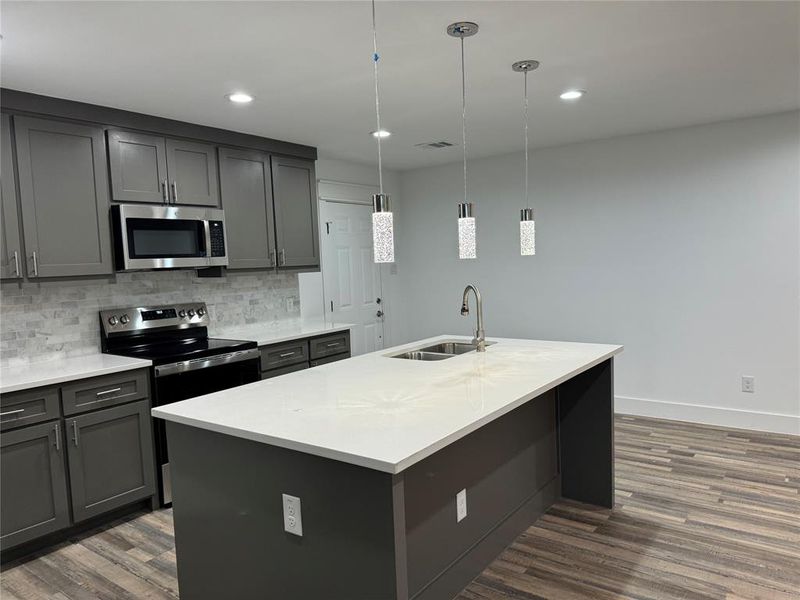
(682, 245)
(311, 290)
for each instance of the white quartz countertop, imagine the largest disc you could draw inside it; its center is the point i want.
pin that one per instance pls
(388, 413)
(16, 378)
(280, 331)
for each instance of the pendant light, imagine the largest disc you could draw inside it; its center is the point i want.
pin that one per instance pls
(467, 246)
(382, 218)
(527, 226)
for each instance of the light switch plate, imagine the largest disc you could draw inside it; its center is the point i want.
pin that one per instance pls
(461, 505)
(292, 518)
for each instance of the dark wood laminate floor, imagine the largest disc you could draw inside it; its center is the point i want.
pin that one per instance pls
(701, 513)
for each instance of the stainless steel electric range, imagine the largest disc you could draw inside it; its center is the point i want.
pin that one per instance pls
(186, 362)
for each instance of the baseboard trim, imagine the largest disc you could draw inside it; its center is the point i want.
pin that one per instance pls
(709, 415)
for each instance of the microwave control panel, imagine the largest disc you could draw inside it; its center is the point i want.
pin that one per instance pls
(217, 233)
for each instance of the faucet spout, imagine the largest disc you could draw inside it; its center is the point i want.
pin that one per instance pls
(480, 337)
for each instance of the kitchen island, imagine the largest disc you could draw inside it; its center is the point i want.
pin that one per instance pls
(377, 448)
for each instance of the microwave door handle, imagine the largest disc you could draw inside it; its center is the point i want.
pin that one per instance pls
(207, 249)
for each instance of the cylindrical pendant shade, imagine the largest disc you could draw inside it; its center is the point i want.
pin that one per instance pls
(467, 245)
(527, 232)
(382, 229)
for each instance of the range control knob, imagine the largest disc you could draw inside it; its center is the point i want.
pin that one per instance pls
(190, 313)
(124, 319)
(201, 311)
(182, 314)
(112, 320)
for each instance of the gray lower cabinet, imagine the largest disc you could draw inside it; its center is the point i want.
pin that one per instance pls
(138, 166)
(156, 169)
(246, 188)
(192, 169)
(110, 456)
(294, 189)
(63, 187)
(34, 490)
(11, 264)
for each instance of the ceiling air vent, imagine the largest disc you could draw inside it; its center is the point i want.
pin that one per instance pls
(435, 145)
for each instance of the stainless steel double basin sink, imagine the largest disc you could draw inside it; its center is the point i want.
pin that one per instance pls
(439, 351)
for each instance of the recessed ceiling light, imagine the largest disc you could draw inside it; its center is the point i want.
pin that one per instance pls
(381, 133)
(572, 94)
(240, 98)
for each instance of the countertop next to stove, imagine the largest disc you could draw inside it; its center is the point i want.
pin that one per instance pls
(37, 374)
(280, 331)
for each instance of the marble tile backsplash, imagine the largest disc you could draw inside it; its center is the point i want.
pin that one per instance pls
(55, 319)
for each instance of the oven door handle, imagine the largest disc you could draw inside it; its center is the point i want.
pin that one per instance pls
(206, 363)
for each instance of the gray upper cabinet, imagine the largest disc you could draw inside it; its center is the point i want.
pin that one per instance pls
(295, 194)
(63, 187)
(155, 169)
(34, 486)
(11, 264)
(138, 165)
(110, 458)
(192, 169)
(246, 186)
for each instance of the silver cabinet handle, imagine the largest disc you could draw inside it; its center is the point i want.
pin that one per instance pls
(174, 191)
(111, 391)
(282, 257)
(75, 433)
(12, 412)
(16, 264)
(287, 354)
(35, 265)
(272, 258)
(333, 344)
(57, 437)
(164, 192)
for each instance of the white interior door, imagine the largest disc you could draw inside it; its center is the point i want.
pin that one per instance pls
(351, 280)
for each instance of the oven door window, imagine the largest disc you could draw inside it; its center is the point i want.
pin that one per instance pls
(166, 238)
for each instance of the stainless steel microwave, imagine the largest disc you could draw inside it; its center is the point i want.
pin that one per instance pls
(168, 237)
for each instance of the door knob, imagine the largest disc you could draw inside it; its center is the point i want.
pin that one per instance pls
(379, 314)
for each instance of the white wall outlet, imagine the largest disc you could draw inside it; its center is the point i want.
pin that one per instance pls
(461, 505)
(292, 519)
(748, 384)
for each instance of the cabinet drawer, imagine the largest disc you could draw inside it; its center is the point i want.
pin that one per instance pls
(28, 407)
(284, 370)
(329, 359)
(328, 345)
(109, 390)
(283, 355)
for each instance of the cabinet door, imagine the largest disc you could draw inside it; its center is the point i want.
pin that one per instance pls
(246, 187)
(138, 167)
(10, 244)
(33, 487)
(63, 185)
(192, 170)
(110, 458)
(295, 191)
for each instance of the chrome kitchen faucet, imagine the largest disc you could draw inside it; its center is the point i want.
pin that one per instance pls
(480, 336)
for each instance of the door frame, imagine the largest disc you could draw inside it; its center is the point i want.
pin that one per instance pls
(326, 193)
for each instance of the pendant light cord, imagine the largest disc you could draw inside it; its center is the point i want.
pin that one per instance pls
(527, 197)
(464, 116)
(375, 59)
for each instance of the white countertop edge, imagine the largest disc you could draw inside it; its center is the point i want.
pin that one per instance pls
(379, 465)
(264, 337)
(136, 363)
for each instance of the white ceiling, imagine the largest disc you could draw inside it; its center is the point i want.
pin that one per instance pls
(646, 66)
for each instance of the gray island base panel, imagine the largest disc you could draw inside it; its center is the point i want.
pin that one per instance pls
(373, 535)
